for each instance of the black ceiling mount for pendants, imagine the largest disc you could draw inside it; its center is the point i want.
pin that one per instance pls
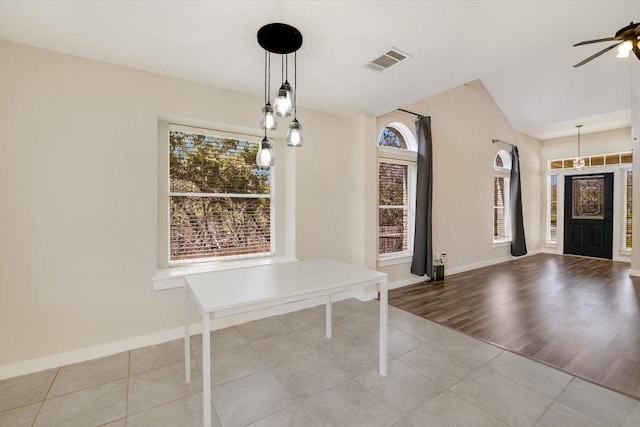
(279, 38)
(630, 33)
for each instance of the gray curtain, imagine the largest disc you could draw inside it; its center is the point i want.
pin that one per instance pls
(518, 244)
(422, 244)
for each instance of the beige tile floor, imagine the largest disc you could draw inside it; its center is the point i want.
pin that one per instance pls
(282, 371)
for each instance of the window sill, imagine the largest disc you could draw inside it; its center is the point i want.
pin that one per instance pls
(395, 259)
(626, 251)
(551, 244)
(173, 277)
(501, 243)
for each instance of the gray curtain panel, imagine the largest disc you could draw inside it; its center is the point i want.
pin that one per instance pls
(518, 244)
(422, 243)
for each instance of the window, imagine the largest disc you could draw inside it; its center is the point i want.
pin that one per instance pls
(594, 161)
(396, 191)
(501, 218)
(552, 209)
(220, 202)
(628, 212)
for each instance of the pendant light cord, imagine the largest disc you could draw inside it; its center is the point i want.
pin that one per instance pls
(579, 126)
(265, 77)
(295, 84)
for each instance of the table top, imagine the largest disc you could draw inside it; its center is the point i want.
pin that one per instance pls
(223, 290)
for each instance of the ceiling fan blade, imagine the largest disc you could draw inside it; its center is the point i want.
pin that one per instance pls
(594, 56)
(608, 39)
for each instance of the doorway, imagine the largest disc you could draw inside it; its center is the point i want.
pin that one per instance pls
(588, 215)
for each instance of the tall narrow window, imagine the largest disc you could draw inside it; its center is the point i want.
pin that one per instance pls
(393, 196)
(501, 218)
(397, 154)
(628, 214)
(219, 200)
(552, 209)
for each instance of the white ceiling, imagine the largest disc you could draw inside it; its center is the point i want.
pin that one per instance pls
(520, 49)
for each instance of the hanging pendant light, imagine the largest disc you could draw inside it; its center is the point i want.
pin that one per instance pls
(268, 120)
(578, 162)
(294, 136)
(265, 157)
(281, 39)
(283, 105)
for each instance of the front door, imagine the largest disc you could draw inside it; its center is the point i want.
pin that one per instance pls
(588, 215)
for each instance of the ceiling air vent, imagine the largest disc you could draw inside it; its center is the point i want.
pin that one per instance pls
(387, 60)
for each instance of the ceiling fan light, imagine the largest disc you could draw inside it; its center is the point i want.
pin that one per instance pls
(624, 49)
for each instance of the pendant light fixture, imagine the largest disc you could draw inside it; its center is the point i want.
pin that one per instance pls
(578, 162)
(268, 120)
(281, 39)
(283, 104)
(294, 136)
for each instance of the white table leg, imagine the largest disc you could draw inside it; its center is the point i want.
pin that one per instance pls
(187, 338)
(206, 371)
(384, 314)
(329, 316)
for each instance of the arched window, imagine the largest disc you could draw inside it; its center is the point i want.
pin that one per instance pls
(392, 137)
(501, 213)
(397, 157)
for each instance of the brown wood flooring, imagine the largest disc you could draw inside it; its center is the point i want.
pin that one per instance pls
(580, 315)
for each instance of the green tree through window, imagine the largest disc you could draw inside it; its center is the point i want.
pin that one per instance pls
(220, 201)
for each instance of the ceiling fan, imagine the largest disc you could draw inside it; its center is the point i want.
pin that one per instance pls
(626, 38)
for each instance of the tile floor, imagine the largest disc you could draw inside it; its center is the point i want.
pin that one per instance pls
(282, 371)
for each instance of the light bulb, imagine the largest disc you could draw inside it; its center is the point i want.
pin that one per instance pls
(294, 136)
(578, 164)
(624, 49)
(283, 105)
(264, 158)
(268, 120)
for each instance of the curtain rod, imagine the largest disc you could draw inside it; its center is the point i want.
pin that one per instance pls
(410, 112)
(503, 142)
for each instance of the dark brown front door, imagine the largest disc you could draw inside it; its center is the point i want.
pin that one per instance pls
(588, 215)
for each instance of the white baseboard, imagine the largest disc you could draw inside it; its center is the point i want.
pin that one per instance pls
(88, 353)
(634, 273)
(408, 281)
(487, 263)
(412, 280)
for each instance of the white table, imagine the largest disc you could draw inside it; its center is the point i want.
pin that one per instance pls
(224, 293)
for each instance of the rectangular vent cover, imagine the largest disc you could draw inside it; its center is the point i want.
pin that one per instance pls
(387, 60)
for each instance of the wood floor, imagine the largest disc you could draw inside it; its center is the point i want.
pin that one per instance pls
(580, 315)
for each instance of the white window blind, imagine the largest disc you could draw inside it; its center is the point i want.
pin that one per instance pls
(500, 206)
(628, 214)
(552, 213)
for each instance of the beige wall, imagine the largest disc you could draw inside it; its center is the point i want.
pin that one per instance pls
(464, 120)
(611, 141)
(78, 176)
(79, 173)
